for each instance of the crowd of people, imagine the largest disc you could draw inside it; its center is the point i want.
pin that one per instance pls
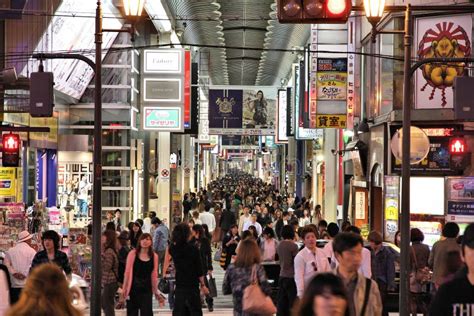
(244, 225)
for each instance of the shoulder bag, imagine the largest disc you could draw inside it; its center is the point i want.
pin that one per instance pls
(254, 300)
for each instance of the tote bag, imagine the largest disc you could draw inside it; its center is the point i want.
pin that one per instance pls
(254, 300)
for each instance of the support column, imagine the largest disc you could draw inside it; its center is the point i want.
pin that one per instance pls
(186, 163)
(291, 156)
(330, 196)
(163, 186)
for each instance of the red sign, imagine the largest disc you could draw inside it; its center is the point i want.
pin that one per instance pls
(187, 89)
(457, 146)
(11, 142)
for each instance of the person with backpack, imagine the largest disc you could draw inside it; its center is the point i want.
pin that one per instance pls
(363, 293)
(109, 272)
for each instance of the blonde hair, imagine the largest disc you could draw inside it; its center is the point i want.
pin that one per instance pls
(46, 293)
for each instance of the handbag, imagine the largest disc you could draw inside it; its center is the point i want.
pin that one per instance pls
(217, 255)
(164, 286)
(223, 259)
(254, 300)
(212, 286)
(419, 276)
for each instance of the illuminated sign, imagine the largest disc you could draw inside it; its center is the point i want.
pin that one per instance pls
(438, 132)
(163, 61)
(457, 146)
(162, 90)
(331, 120)
(163, 119)
(281, 116)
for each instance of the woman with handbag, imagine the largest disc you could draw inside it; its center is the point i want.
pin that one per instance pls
(203, 243)
(109, 271)
(243, 278)
(229, 244)
(141, 278)
(419, 254)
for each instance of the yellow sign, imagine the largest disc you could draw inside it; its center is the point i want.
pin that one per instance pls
(331, 121)
(391, 209)
(8, 181)
(332, 86)
(47, 140)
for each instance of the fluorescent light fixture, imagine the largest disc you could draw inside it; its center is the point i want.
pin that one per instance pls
(175, 40)
(157, 12)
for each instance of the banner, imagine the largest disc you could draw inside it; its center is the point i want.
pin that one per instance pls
(448, 37)
(241, 110)
(332, 79)
(282, 116)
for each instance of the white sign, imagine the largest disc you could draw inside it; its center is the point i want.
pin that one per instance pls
(419, 145)
(309, 133)
(163, 90)
(203, 121)
(281, 116)
(163, 61)
(360, 205)
(351, 96)
(441, 36)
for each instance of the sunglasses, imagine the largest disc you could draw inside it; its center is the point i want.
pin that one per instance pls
(314, 266)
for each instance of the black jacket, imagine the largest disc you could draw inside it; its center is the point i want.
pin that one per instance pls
(278, 227)
(205, 251)
(227, 220)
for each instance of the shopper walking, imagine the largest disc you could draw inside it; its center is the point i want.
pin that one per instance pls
(124, 249)
(46, 293)
(332, 230)
(363, 293)
(244, 218)
(226, 221)
(309, 261)
(229, 244)
(456, 297)
(51, 253)
(419, 254)
(268, 245)
(189, 272)
(109, 271)
(18, 261)
(160, 242)
(287, 251)
(208, 218)
(202, 242)
(5, 289)
(169, 273)
(238, 275)
(439, 252)
(141, 278)
(135, 234)
(324, 296)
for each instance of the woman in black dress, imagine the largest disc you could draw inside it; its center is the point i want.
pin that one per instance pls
(229, 244)
(202, 242)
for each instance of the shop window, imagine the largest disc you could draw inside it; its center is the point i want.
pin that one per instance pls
(116, 178)
(116, 157)
(116, 198)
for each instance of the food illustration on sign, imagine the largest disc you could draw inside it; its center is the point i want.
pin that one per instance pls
(445, 40)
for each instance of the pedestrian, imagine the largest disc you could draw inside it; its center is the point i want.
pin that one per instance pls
(141, 278)
(207, 218)
(155, 222)
(383, 267)
(268, 245)
(169, 273)
(229, 244)
(117, 220)
(239, 274)
(160, 242)
(419, 254)
(5, 289)
(439, 251)
(196, 218)
(124, 249)
(51, 253)
(322, 227)
(203, 243)
(456, 297)
(227, 221)
(318, 214)
(363, 293)
(46, 293)
(189, 272)
(366, 265)
(253, 222)
(244, 218)
(304, 219)
(332, 230)
(284, 220)
(287, 251)
(187, 206)
(109, 271)
(135, 234)
(309, 261)
(18, 260)
(324, 296)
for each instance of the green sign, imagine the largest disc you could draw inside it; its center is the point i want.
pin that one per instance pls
(162, 118)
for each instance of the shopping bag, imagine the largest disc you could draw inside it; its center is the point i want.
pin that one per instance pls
(218, 254)
(223, 259)
(212, 286)
(254, 300)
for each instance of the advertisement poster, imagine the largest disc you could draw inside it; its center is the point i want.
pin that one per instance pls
(332, 79)
(461, 188)
(392, 206)
(282, 115)
(447, 37)
(163, 118)
(239, 141)
(7, 182)
(242, 110)
(331, 121)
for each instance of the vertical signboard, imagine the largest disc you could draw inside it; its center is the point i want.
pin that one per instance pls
(187, 89)
(350, 74)
(281, 116)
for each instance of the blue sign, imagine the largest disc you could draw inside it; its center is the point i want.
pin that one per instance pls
(461, 208)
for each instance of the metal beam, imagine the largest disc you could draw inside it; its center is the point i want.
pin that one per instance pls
(5, 128)
(245, 28)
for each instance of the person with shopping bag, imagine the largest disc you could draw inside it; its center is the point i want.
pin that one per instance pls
(247, 282)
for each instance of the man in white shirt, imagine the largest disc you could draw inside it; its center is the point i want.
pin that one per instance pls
(253, 222)
(244, 218)
(18, 261)
(366, 264)
(208, 219)
(309, 261)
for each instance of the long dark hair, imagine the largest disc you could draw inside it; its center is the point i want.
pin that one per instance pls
(200, 231)
(139, 246)
(180, 235)
(321, 284)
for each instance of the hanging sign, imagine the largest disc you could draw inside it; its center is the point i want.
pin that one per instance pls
(163, 119)
(332, 79)
(331, 120)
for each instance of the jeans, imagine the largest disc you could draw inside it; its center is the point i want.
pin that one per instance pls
(171, 293)
(187, 302)
(140, 302)
(108, 298)
(161, 260)
(286, 296)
